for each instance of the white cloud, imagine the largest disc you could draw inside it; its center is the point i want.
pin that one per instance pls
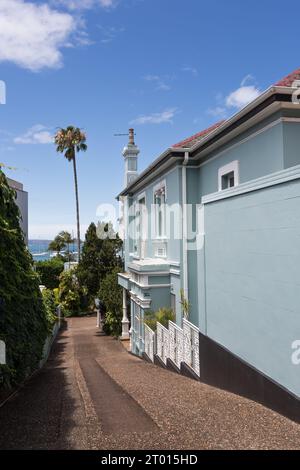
(191, 70)
(156, 118)
(238, 98)
(218, 112)
(85, 4)
(32, 35)
(109, 34)
(159, 81)
(242, 96)
(35, 135)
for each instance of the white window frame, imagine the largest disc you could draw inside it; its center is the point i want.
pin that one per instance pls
(232, 167)
(139, 241)
(158, 188)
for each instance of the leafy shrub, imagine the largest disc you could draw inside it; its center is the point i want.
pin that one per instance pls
(111, 295)
(49, 272)
(100, 256)
(163, 316)
(23, 321)
(72, 297)
(50, 306)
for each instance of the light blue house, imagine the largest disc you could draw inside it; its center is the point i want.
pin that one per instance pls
(218, 216)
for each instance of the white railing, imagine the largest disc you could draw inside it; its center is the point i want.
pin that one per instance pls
(162, 335)
(149, 342)
(191, 346)
(176, 349)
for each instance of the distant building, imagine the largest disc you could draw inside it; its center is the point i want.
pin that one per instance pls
(22, 202)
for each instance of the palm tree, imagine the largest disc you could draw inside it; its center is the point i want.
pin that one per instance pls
(57, 244)
(67, 238)
(69, 141)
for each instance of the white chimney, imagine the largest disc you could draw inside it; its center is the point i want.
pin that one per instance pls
(130, 154)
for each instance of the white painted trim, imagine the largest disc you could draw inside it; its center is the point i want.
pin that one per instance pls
(159, 186)
(191, 325)
(142, 196)
(164, 172)
(185, 226)
(279, 177)
(174, 263)
(139, 301)
(143, 177)
(174, 272)
(148, 286)
(229, 168)
(150, 273)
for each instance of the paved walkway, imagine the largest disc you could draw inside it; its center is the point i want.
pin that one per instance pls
(92, 394)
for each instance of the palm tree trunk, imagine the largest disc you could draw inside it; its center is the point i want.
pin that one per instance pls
(77, 205)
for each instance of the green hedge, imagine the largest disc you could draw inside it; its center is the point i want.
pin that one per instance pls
(23, 321)
(49, 272)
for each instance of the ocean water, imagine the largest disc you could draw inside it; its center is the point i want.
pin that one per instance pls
(39, 249)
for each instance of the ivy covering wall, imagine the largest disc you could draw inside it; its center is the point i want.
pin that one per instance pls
(23, 319)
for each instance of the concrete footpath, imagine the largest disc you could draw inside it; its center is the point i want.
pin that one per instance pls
(92, 394)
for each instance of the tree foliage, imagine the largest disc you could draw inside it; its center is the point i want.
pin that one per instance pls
(100, 256)
(163, 316)
(23, 322)
(69, 141)
(72, 296)
(49, 272)
(50, 305)
(111, 294)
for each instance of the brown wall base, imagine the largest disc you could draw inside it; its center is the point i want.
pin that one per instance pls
(220, 368)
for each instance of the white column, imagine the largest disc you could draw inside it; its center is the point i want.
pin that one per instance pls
(125, 321)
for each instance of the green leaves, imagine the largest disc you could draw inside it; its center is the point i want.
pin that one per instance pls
(23, 320)
(70, 139)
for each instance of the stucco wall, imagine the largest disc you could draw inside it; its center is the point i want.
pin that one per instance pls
(252, 259)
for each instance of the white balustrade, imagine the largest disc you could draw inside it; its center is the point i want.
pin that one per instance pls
(176, 348)
(191, 346)
(162, 335)
(149, 342)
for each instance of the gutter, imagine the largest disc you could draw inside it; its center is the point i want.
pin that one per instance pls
(244, 111)
(167, 154)
(185, 225)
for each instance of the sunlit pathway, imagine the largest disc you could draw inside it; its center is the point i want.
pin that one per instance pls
(92, 394)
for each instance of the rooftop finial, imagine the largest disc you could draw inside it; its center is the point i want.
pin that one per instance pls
(131, 136)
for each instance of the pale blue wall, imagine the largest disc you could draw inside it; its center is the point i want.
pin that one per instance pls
(252, 252)
(173, 190)
(291, 139)
(258, 156)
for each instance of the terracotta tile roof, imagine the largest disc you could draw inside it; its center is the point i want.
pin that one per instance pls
(191, 141)
(288, 81)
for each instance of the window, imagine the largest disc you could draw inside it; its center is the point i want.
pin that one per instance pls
(228, 180)
(229, 176)
(160, 212)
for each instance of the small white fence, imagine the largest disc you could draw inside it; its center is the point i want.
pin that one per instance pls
(162, 345)
(191, 346)
(178, 344)
(149, 342)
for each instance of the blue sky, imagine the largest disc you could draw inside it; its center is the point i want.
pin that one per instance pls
(167, 67)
